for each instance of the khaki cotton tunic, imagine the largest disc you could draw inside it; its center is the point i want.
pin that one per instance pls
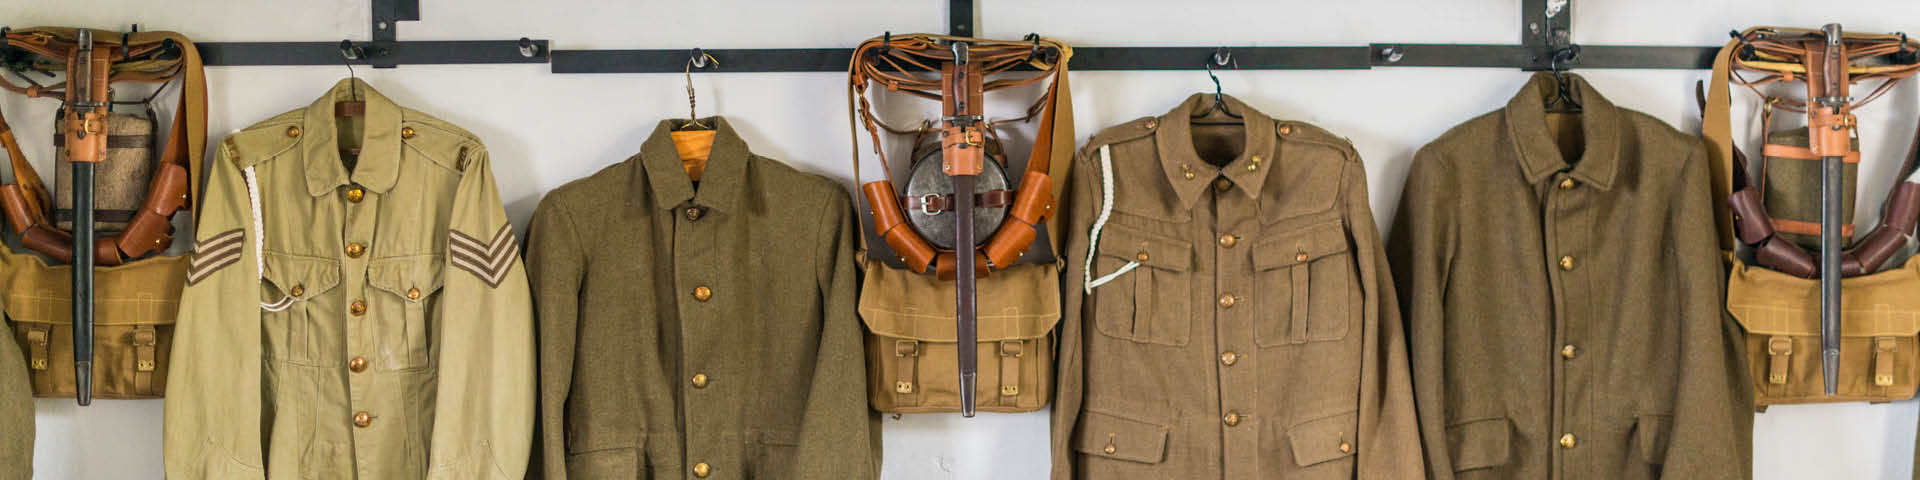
(700, 331)
(369, 323)
(1565, 307)
(1256, 335)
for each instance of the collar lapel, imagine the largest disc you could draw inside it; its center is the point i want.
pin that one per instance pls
(1174, 140)
(1540, 158)
(378, 167)
(720, 186)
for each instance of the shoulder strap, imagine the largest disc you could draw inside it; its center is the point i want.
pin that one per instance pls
(1716, 127)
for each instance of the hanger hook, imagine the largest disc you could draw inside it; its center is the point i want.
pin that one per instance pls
(349, 53)
(700, 59)
(1221, 56)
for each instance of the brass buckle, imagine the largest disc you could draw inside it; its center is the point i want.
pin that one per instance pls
(926, 204)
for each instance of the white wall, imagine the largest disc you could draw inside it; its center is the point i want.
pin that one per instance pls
(546, 129)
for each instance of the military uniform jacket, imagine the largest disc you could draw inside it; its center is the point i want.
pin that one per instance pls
(370, 322)
(1565, 307)
(16, 410)
(1253, 332)
(700, 331)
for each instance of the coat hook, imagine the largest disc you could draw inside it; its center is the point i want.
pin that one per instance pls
(700, 58)
(1393, 54)
(1221, 56)
(351, 52)
(528, 48)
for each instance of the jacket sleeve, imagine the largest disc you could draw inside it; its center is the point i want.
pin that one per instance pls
(1420, 252)
(1389, 434)
(1712, 436)
(210, 432)
(840, 436)
(483, 412)
(1070, 368)
(557, 266)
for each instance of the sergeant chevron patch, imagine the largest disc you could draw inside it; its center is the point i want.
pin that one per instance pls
(214, 253)
(490, 260)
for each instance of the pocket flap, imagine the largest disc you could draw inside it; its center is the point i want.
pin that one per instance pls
(1120, 438)
(312, 276)
(1018, 303)
(1766, 302)
(1306, 245)
(401, 275)
(145, 292)
(1323, 440)
(1651, 432)
(1150, 250)
(1480, 443)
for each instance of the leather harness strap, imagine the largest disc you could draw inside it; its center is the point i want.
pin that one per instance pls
(932, 204)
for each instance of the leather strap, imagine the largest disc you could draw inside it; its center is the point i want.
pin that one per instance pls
(933, 204)
(1010, 352)
(145, 341)
(37, 334)
(1883, 354)
(907, 354)
(1779, 356)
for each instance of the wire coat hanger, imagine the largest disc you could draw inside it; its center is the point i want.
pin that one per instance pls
(700, 59)
(354, 106)
(1223, 58)
(693, 140)
(1563, 101)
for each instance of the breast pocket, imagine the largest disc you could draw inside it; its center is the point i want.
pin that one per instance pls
(408, 290)
(295, 304)
(1149, 301)
(1305, 282)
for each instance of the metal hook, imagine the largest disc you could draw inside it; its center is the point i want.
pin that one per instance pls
(1221, 56)
(528, 48)
(1031, 54)
(886, 42)
(700, 59)
(350, 52)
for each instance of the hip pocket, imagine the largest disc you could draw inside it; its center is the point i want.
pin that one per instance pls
(1305, 282)
(773, 455)
(1149, 302)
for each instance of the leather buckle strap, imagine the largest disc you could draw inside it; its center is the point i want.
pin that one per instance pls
(145, 342)
(37, 346)
(1779, 352)
(932, 204)
(907, 352)
(1010, 352)
(1883, 348)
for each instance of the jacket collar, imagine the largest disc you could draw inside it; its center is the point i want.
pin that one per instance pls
(379, 164)
(661, 172)
(1540, 157)
(1174, 139)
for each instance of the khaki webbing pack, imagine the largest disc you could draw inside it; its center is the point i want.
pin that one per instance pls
(912, 346)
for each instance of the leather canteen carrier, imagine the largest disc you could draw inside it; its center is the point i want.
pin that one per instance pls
(136, 295)
(1866, 352)
(961, 268)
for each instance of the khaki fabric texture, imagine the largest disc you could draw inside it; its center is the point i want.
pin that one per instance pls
(369, 323)
(1565, 308)
(1792, 189)
(913, 348)
(683, 326)
(16, 412)
(1880, 317)
(135, 306)
(1257, 338)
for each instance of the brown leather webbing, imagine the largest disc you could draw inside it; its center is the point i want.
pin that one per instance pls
(173, 185)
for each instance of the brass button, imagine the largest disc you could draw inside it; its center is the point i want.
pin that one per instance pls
(1153, 123)
(1222, 184)
(699, 380)
(1142, 256)
(1566, 263)
(1346, 447)
(362, 419)
(694, 213)
(1286, 129)
(702, 470)
(1109, 449)
(1189, 175)
(298, 290)
(357, 365)
(293, 132)
(406, 132)
(1231, 418)
(1226, 301)
(358, 308)
(702, 293)
(1300, 257)
(1568, 351)
(1567, 441)
(1229, 358)
(1228, 241)
(355, 194)
(355, 249)
(1566, 184)
(413, 294)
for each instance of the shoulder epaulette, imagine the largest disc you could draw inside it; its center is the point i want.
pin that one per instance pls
(265, 140)
(445, 144)
(1135, 129)
(1306, 133)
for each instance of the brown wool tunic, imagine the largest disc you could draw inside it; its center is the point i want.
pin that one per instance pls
(1564, 309)
(1255, 336)
(704, 333)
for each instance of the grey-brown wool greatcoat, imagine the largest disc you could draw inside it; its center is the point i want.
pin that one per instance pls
(1251, 331)
(699, 332)
(1563, 293)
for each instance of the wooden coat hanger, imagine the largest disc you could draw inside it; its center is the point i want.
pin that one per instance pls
(353, 106)
(693, 140)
